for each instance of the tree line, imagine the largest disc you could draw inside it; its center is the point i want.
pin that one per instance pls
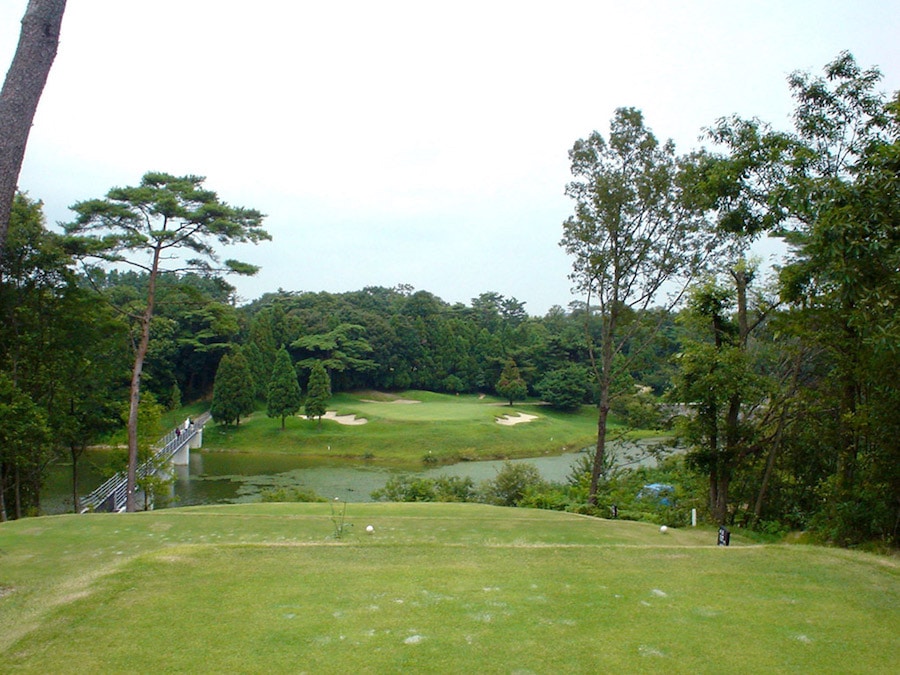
(790, 386)
(783, 387)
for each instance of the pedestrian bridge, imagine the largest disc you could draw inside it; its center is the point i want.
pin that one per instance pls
(174, 448)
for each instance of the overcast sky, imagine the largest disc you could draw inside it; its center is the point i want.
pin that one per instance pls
(420, 143)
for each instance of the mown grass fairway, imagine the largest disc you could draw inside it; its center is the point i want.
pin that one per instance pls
(443, 588)
(444, 428)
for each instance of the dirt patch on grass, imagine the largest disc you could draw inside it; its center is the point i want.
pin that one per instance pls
(510, 420)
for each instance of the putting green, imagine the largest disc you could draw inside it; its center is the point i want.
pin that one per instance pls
(445, 428)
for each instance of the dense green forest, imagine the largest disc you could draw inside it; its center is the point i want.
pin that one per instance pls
(783, 389)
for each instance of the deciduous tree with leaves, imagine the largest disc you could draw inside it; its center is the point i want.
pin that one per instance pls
(44, 311)
(632, 239)
(841, 199)
(24, 447)
(719, 378)
(566, 388)
(830, 189)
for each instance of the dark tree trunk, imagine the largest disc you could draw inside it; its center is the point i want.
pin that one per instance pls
(720, 508)
(17, 491)
(604, 376)
(775, 448)
(76, 504)
(3, 517)
(135, 392)
(847, 453)
(727, 457)
(597, 469)
(715, 464)
(22, 89)
(134, 405)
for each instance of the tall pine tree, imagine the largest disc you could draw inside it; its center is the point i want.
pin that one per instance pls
(284, 395)
(232, 390)
(319, 393)
(511, 386)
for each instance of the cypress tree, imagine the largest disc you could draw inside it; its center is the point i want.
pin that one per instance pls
(319, 393)
(261, 372)
(232, 390)
(511, 385)
(284, 394)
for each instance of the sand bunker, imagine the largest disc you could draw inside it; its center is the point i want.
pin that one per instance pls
(509, 420)
(349, 420)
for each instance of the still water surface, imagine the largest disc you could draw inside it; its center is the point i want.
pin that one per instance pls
(228, 478)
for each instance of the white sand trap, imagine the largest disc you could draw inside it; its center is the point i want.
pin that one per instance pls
(348, 420)
(509, 420)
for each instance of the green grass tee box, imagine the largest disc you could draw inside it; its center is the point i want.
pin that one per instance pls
(441, 588)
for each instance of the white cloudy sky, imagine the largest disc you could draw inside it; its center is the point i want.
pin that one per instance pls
(413, 142)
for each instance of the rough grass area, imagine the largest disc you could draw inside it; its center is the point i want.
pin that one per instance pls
(444, 428)
(443, 588)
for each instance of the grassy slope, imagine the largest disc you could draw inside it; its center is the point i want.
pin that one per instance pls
(449, 428)
(437, 588)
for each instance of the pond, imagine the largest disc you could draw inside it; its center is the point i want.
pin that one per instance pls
(227, 478)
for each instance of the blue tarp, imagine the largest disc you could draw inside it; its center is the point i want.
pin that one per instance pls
(663, 493)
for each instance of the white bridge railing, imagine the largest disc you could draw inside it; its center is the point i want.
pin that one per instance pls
(111, 495)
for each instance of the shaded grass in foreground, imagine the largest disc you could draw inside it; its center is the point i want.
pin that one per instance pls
(436, 588)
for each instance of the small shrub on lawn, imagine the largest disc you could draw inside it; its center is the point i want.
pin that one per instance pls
(511, 485)
(442, 489)
(552, 497)
(291, 495)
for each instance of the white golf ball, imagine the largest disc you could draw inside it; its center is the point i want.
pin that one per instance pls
(370, 529)
(663, 529)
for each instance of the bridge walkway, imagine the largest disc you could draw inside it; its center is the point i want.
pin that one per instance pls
(111, 495)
